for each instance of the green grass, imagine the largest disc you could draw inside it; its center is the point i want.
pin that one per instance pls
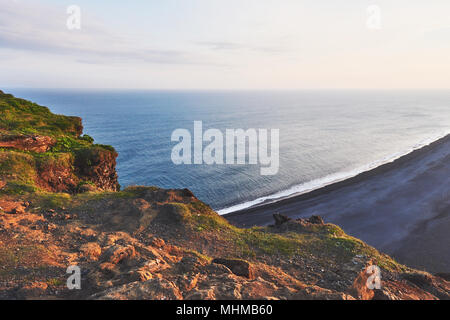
(24, 117)
(203, 257)
(324, 242)
(20, 169)
(55, 282)
(48, 200)
(69, 144)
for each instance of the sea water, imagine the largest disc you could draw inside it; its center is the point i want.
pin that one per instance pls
(325, 136)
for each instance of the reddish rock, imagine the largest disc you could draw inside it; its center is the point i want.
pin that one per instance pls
(33, 290)
(91, 251)
(98, 166)
(86, 188)
(158, 242)
(34, 143)
(154, 289)
(316, 220)
(238, 267)
(18, 210)
(359, 289)
(64, 174)
(118, 253)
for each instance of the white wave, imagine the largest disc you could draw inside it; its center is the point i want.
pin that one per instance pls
(329, 179)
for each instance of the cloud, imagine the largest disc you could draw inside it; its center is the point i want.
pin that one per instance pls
(437, 37)
(229, 46)
(37, 28)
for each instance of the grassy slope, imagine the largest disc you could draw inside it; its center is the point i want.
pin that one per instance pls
(21, 117)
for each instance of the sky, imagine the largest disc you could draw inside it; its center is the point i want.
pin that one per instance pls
(226, 44)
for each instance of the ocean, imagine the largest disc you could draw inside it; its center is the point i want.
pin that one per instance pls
(325, 136)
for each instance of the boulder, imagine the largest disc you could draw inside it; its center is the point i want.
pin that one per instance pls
(316, 220)
(117, 253)
(91, 250)
(238, 267)
(280, 219)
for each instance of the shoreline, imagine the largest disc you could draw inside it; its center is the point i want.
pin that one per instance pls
(387, 207)
(342, 176)
(338, 184)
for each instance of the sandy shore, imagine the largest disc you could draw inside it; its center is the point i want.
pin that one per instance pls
(401, 208)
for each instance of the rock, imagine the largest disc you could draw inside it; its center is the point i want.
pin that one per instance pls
(108, 268)
(359, 289)
(154, 289)
(238, 267)
(33, 290)
(98, 166)
(316, 220)
(83, 188)
(118, 253)
(429, 283)
(18, 210)
(380, 294)
(418, 278)
(91, 251)
(318, 293)
(34, 143)
(158, 242)
(401, 290)
(109, 239)
(445, 276)
(205, 294)
(227, 286)
(187, 282)
(141, 274)
(217, 269)
(187, 193)
(280, 219)
(50, 227)
(188, 264)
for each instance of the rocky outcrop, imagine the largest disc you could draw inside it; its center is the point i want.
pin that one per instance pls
(34, 143)
(155, 244)
(56, 174)
(54, 158)
(92, 169)
(98, 166)
(238, 267)
(280, 219)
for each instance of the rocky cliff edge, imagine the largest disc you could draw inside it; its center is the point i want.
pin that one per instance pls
(60, 206)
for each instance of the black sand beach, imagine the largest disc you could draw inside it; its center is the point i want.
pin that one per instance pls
(401, 208)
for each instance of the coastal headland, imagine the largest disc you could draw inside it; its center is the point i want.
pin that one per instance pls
(62, 209)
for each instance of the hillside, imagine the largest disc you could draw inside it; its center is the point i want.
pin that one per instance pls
(60, 205)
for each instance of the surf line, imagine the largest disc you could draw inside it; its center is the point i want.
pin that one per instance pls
(330, 179)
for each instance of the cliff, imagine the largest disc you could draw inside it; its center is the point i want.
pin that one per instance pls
(41, 151)
(60, 206)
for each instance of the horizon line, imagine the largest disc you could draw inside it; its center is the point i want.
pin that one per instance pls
(220, 89)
